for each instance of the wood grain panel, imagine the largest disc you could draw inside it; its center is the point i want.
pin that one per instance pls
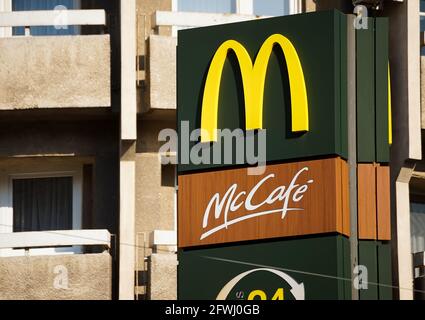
(345, 194)
(338, 196)
(383, 203)
(318, 210)
(366, 185)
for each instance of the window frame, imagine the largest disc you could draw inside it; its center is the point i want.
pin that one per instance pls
(6, 6)
(294, 6)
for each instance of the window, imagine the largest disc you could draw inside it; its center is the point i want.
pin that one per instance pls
(272, 7)
(216, 6)
(28, 5)
(38, 195)
(417, 223)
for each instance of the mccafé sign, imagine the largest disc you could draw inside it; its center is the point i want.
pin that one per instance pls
(307, 197)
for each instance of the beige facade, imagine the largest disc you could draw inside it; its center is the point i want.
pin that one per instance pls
(55, 72)
(73, 277)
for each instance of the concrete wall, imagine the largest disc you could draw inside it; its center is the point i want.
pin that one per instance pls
(308, 6)
(423, 92)
(44, 278)
(154, 189)
(145, 9)
(154, 203)
(163, 277)
(55, 72)
(161, 79)
(318, 5)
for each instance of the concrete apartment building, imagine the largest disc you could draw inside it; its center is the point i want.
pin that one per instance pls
(81, 107)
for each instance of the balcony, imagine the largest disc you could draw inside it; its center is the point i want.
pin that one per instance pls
(161, 52)
(54, 71)
(31, 269)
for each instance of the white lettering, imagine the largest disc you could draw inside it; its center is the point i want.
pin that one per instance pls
(232, 201)
(248, 202)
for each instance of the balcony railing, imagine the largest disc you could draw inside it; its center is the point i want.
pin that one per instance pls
(51, 239)
(58, 18)
(54, 71)
(197, 19)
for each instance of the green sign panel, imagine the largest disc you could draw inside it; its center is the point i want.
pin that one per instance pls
(375, 256)
(310, 268)
(373, 68)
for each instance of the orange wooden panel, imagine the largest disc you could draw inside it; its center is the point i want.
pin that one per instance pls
(338, 197)
(252, 207)
(345, 198)
(342, 198)
(366, 200)
(383, 203)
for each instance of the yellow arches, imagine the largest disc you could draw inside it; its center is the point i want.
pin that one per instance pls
(253, 78)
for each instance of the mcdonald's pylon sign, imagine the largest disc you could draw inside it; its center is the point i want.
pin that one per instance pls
(299, 81)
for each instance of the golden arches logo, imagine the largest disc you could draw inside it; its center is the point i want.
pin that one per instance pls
(253, 78)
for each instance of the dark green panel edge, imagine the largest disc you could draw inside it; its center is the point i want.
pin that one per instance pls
(365, 49)
(376, 256)
(381, 63)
